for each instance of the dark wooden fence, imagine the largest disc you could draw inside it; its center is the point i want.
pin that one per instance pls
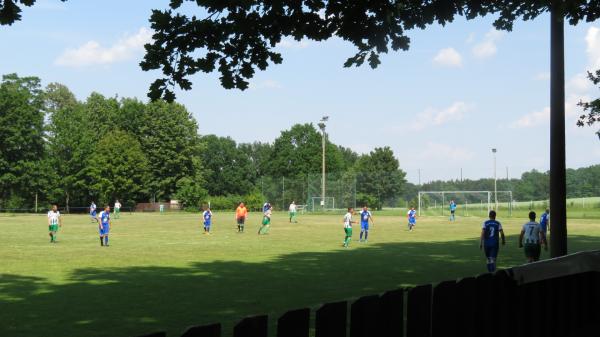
(491, 305)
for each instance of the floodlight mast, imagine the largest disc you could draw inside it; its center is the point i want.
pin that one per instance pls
(322, 126)
(495, 182)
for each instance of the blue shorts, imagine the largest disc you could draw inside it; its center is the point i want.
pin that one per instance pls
(93, 214)
(207, 225)
(412, 221)
(491, 251)
(104, 230)
(364, 226)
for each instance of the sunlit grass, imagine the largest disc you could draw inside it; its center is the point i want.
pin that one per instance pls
(162, 273)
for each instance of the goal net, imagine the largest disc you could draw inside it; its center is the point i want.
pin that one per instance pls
(469, 203)
(322, 204)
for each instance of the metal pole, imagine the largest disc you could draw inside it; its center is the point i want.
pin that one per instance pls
(323, 169)
(36, 202)
(495, 183)
(419, 179)
(558, 207)
(419, 204)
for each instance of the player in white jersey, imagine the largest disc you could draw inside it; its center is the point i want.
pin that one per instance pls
(532, 238)
(54, 222)
(348, 226)
(293, 209)
(117, 209)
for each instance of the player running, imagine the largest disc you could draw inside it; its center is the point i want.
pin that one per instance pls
(241, 213)
(207, 216)
(266, 221)
(348, 226)
(104, 225)
(489, 242)
(93, 212)
(534, 238)
(365, 216)
(293, 209)
(412, 218)
(54, 222)
(452, 210)
(544, 222)
(117, 209)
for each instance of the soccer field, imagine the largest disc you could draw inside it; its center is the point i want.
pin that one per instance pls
(161, 273)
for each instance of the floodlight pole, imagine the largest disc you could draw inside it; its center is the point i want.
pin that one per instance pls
(558, 207)
(323, 143)
(495, 182)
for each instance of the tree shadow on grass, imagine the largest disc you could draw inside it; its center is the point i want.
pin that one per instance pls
(136, 300)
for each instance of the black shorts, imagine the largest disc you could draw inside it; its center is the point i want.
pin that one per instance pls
(241, 220)
(533, 250)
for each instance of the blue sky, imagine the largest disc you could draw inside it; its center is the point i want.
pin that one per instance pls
(458, 92)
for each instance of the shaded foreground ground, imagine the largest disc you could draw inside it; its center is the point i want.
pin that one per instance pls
(161, 273)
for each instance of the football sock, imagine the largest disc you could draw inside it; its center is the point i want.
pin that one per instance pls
(366, 235)
(106, 240)
(360, 236)
(101, 242)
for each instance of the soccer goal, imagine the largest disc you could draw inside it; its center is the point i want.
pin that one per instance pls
(476, 202)
(322, 204)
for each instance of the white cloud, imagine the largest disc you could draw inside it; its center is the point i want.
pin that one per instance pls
(93, 53)
(430, 116)
(592, 40)
(445, 153)
(471, 38)
(579, 84)
(542, 117)
(532, 119)
(487, 48)
(293, 44)
(448, 57)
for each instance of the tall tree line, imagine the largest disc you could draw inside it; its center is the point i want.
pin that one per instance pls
(55, 148)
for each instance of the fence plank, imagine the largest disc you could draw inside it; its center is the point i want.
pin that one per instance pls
(364, 317)
(485, 317)
(256, 326)
(331, 320)
(213, 330)
(443, 315)
(466, 303)
(391, 313)
(295, 323)
(507, 305)
(418, 314)
(156, 334)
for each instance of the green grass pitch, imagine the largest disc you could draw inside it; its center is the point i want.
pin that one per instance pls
(161, 273)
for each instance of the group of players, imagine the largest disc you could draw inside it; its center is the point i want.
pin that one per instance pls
(531, 238)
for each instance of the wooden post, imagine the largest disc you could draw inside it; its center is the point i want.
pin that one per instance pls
(331, 320)
(558, 186)
(418, 314)
(213, 330)
(295, 323)
(256, 326)
(391, 314)
(364, 317)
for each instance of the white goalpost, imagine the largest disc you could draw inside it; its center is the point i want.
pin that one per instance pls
(318, 203)
(444, 194)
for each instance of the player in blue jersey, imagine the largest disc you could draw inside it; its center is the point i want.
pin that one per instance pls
(207, 216)
(452, 210)
(93, 212)
(104, 225)
(490, 243)
(412, 218)
(365, 216)
(544, 222)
